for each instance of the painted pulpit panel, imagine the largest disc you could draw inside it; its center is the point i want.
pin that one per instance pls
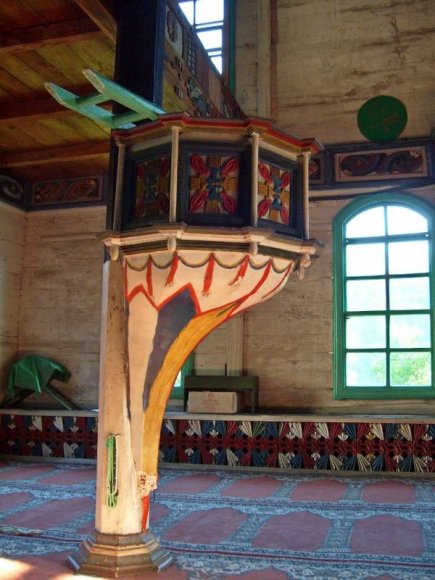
(152, 187)
(274, 193)
(279, 200)
(213, 183)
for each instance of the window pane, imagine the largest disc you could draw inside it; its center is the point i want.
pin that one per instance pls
(410, 369)
(401, 220)
(178, 380)
(211, 38)
(410, 331)
(409, 293)
(365, 332)
(365, 260)
(366, 369)
(187, 8)
(367, 223)
(408, 257)
(365, 295)
(217, 61)
(209, 11)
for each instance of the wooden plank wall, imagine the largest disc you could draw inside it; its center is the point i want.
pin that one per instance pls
(330, 57)
(12, 224)
(61, 295)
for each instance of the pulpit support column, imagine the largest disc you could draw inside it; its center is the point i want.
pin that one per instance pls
(118, 547)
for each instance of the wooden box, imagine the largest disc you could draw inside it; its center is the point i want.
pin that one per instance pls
(214, 402)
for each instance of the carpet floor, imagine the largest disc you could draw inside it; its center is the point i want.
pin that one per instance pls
(228, 525)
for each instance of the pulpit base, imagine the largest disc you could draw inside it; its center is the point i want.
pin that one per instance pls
(115, 556)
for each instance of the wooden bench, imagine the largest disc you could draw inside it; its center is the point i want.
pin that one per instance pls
(222, 383)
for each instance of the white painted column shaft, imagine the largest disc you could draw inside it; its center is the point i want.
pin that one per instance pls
(174, 174)
(306, 192)
(114, 417)
(255, 139)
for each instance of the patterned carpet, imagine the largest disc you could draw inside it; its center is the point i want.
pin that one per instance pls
(224, 525)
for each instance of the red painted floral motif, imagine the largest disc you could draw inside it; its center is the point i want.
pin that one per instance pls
(152, 188)
(274, 188)
(213, 184)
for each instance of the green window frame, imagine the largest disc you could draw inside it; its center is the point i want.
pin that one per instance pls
(383, 264)
(186, 369)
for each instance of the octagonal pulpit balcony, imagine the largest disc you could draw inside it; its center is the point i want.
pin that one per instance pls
(194, 183)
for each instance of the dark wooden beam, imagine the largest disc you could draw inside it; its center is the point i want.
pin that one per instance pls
(79, 152)
(139, 65)
(101, 15)
(53, 33)
(42, 106)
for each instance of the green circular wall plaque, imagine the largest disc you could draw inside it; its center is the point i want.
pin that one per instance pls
(382, 119)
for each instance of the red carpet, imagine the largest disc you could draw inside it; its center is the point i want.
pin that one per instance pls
(319, 490)
(230, 525)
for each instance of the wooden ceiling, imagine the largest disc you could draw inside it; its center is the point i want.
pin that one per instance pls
(52, 41)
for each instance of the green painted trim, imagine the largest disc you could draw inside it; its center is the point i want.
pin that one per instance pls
(340, 391)
(390, 393)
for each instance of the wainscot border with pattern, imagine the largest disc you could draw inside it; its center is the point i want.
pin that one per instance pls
(311, 442)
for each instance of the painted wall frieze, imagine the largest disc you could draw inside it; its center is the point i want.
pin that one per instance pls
(66, 192)
(12, 190)
(355, 164)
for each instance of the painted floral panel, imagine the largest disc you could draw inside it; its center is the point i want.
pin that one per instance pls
(152, 187)
(213, 183)
(65, 191)
(273, 193)
(380, 164)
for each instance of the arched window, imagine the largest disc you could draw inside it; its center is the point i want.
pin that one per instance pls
(384, 299)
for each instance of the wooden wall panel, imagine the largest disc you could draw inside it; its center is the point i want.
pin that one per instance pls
(12, 222)
(333, 56)
(246, 53)
(211, 354)
(61, 295)
(328, 58)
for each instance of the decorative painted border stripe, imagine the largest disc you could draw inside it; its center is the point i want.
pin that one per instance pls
(378, 164)
(321, 445)
(66, 192)
(48, 436)
(333, 446)
(353, 164)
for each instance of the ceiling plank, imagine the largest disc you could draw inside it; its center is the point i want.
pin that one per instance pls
(99, 13)
(40, 107)
(48, 34)
(55, 155)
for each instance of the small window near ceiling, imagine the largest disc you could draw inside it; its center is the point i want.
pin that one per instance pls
(384, 299)
(213, 21)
